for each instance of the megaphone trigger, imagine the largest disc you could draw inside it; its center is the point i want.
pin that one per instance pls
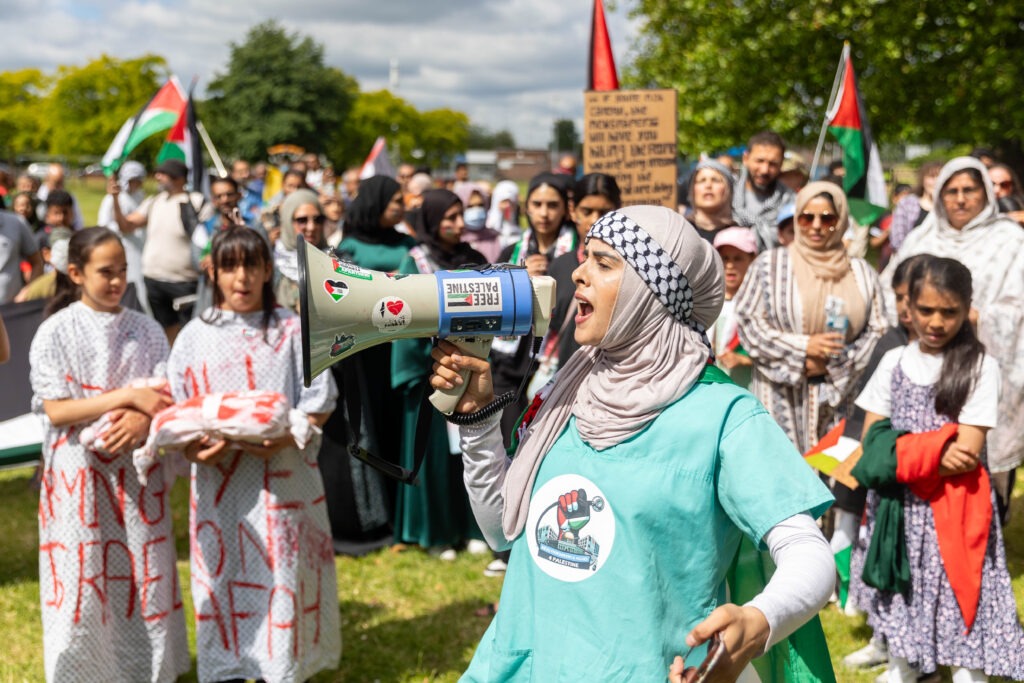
(445, 400)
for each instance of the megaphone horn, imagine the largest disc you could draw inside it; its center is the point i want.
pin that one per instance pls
(345, 309)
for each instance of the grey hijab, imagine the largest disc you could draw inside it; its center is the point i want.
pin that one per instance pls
(652, 354)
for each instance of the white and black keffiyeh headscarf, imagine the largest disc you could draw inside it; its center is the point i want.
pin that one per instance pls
(644, 255)
(652, 354)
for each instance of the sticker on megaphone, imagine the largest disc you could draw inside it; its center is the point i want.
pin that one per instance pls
(345, 309)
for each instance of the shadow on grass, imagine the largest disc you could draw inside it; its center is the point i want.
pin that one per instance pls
(436, 644)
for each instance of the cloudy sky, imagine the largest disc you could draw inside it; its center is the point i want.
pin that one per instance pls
(509, 64)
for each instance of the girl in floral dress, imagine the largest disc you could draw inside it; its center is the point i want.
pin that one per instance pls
(957, 608)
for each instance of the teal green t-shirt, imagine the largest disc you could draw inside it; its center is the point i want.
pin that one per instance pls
(625, 550)
(382, 257)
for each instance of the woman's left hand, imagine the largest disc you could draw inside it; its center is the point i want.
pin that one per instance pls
(744, 632)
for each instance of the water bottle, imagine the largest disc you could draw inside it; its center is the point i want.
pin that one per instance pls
(835, 318)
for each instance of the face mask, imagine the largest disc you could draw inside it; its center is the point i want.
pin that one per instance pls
(475, 217)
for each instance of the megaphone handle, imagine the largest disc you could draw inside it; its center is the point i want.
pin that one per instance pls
(445, 400)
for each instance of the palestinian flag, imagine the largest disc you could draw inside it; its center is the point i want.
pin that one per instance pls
(183, 143)
(847, 120)
(601, 71)
(826, 456)
(159, 114)
(377, 162)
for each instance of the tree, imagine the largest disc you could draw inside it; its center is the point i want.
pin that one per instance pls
(566, 137)
(375, 114)
(429, 137)
(928, 70)
(277, 89)
(481, 138)
(21, 97)
(443, 133)
(88, 104)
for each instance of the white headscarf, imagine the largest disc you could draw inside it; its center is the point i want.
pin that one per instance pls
(652, 354)
(505, 189)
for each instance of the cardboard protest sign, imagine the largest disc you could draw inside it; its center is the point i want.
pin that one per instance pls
(631, 134)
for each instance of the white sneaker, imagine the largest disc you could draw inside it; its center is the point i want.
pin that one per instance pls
(443, 553)
(496, 568)
(476, 547)
(851, 610)
(869, 656)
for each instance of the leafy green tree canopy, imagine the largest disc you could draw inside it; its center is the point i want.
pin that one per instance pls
(567, 139)
(89, 104)
(430, 137)
(277, 89)
(929, 70)
(21, 96)
(481, 138)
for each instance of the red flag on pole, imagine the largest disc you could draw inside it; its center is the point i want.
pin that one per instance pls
(602, 62)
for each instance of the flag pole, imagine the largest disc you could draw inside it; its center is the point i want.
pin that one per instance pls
(831, 102)
(221, 171)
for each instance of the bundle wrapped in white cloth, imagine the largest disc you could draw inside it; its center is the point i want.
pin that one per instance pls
(93, 436)
(250, 416)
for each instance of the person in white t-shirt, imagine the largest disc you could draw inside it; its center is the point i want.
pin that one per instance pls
(126, 190)
(169, 268)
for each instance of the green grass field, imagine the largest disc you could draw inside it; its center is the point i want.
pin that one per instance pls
(406, 616)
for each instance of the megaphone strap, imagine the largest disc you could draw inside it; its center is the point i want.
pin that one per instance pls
(390, 469)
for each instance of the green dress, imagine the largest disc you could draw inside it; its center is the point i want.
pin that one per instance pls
(360, 500)
(435, 512)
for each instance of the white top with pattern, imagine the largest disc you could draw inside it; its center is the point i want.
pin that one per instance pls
(263, 576)
(108, 584)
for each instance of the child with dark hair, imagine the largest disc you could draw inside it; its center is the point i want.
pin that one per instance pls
(937, 557)
(60, 211)
(261, 543)
(111, 606)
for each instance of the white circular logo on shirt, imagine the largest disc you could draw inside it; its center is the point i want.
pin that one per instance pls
(570, 528)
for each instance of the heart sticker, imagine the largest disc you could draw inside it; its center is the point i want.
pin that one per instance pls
(395, 307)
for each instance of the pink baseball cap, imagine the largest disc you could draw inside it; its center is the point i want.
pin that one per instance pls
(741, 238)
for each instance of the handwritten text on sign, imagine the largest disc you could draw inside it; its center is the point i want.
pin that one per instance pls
(631, 134)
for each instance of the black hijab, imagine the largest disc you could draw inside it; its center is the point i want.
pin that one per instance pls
(428, 225)
(362, 219)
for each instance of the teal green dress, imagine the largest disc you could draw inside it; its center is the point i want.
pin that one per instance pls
(627, 549)
(360, 500)
(383, 257)
(435, 512)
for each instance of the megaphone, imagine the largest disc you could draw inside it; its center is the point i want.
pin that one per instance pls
(345, 309)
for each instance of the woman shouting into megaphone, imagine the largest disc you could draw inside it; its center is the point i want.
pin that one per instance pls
(641, 483)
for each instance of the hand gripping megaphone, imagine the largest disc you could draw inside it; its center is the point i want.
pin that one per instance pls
(345, 309)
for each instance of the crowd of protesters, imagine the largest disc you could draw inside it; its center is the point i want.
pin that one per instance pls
(927, 332)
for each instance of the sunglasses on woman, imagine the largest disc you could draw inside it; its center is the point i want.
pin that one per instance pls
(302, 220)
(806, 219)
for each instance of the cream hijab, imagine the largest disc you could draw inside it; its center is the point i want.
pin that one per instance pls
(821, 273)
(648, 359)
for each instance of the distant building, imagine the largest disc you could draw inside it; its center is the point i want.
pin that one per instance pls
(521, 164)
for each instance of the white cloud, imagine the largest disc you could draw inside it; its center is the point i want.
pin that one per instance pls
(518, 64)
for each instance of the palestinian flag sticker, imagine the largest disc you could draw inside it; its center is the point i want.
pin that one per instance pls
(337, 289)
